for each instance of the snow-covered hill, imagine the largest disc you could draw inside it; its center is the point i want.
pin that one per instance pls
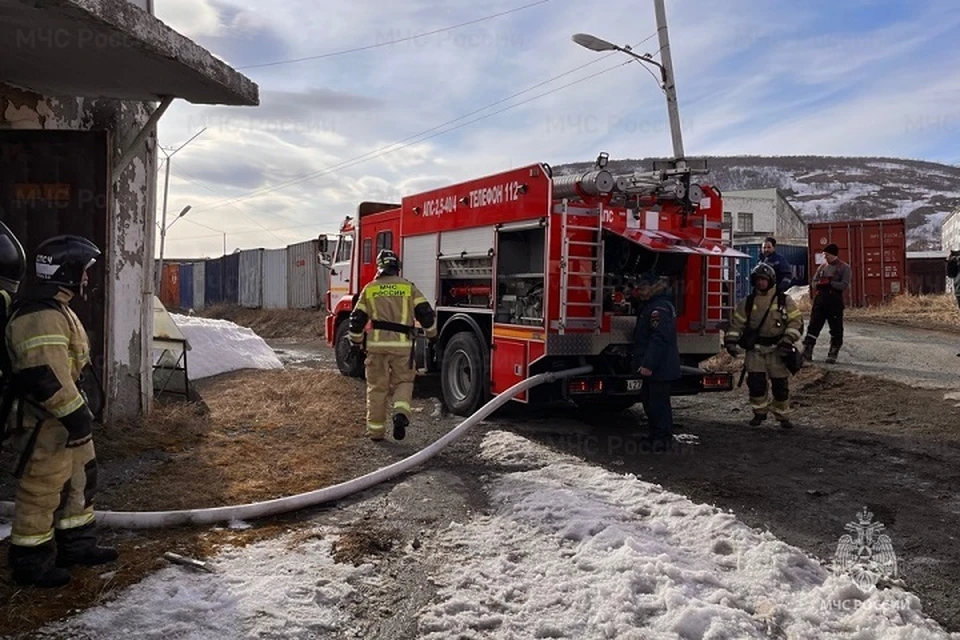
(833, 188)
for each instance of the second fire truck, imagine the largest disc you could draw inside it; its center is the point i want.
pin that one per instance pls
(531, 272)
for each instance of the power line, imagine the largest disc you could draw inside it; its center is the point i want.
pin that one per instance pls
(396, 41)
(361, 159)
(400, 144)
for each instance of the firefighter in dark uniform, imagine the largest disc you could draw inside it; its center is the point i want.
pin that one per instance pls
(656, 356)
(826, 289)
(53, 523)
(392, 304)
(766, 323)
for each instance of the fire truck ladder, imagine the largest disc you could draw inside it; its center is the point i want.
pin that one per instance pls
(719, 287)
(567, 276)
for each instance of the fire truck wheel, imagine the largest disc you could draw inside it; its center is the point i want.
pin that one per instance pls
(463, 374)
(348, 363)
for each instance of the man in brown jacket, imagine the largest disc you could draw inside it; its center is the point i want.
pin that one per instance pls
(391, 303)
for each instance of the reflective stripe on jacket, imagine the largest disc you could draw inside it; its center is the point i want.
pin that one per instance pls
(391, 299)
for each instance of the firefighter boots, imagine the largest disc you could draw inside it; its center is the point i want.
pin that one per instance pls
(832, 354)
(757, 419)
(786, 424)
(400, 423)
(808, 351)
(79, 547)
(36, 566)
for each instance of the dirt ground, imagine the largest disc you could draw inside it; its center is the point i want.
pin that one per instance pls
(859, 441)
(290, 324)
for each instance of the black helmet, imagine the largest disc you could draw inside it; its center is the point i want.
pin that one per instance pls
(388, 262)
(13, 260)
(62, 260)
(763, 270)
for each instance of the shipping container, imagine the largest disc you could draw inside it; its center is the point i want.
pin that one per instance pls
(251, 278)
(231, 278)
(927, 272)
(323, 283)
(794, 254)
(213, 281)
(199, 285)
(186, 285)
(303, 285)
(170, 285)
(275, 279)
(876, 251)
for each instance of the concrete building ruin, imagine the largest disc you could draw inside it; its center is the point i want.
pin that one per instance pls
(82, 86)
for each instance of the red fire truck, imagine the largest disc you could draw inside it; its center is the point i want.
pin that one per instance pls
(530, 272)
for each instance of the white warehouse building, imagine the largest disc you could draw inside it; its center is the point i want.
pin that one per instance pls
(950, 232)
(754, 214)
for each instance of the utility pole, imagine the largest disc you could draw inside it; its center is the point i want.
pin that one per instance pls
(670, 86)
(163, 224)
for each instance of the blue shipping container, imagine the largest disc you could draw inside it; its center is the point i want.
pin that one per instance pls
(213, 281)
(795, 255)
(231, 278)
(186, 285)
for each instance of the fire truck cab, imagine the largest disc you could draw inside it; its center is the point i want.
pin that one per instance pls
(531, 272)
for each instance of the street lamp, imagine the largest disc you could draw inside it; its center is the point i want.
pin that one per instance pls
(166, 189)
(163, 236)
(668, 85)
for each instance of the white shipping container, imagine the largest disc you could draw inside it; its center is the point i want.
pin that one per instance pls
(251, 278)
(199, 285)
(302, 283)
(275, 279)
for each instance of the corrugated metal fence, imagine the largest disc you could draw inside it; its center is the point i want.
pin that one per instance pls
(290, 278)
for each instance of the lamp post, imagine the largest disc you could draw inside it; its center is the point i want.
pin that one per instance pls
(166, 188)
(666, 70)
(163, 236)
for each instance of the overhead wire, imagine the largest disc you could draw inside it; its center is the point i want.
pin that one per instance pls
(406, 142)
(362, 159)
(394, 41)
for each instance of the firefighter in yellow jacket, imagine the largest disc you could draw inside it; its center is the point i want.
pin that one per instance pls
(392, 304)
(53, 524)
(766, 324)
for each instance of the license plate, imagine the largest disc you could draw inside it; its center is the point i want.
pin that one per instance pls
(634, 385)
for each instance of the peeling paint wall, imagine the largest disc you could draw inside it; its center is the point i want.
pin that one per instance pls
(130, 237)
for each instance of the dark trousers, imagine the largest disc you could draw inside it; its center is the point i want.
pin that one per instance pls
(827, 308)
(655, 397)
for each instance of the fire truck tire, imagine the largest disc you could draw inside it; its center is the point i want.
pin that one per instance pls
(463, 374)
(348, 364)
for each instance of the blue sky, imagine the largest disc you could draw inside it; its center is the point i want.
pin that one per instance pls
(768, 77)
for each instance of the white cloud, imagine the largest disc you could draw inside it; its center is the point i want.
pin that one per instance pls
(752, 78)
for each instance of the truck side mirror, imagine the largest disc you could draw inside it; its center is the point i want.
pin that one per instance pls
(323, 245)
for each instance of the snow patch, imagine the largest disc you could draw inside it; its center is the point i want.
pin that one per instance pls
(272, 589)
(575, 551)
(220, 346)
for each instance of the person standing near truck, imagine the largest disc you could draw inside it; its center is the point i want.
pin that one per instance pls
(780, 265)
(656, 356)
(829, 283)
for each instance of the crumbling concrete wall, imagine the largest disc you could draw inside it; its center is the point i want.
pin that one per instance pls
(130, 236)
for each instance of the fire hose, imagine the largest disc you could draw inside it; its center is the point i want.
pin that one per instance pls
(252, 511)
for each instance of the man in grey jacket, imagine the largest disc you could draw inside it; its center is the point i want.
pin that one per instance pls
(826, 289)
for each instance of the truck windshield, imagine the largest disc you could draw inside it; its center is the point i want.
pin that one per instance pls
(344, 249)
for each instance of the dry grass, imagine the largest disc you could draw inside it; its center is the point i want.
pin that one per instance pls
(938, 312)
(301, 324)
(267, 434)
(261, 435)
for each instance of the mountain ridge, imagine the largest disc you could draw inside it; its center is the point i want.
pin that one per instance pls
(834, 188)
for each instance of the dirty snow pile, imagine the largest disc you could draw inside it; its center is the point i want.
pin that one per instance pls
(568, 551)
(219, 346)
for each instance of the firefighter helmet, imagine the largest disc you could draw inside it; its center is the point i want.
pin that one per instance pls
(13, 260)
(763, 270)
(388, 262)
(63, 259)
